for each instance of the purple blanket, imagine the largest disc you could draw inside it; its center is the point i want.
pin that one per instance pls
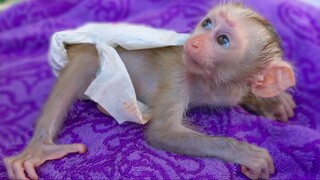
(120, 151)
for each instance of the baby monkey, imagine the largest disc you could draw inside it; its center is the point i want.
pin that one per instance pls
(233, 57)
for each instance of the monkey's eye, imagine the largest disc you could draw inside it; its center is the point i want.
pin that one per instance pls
(224, 41)
(207, 24)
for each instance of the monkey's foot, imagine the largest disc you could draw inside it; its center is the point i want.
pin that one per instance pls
(144, 109)
(23, 166)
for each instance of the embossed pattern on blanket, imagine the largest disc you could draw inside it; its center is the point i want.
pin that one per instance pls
(120, 151)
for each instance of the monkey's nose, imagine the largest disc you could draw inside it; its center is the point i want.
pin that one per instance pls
(195, 44)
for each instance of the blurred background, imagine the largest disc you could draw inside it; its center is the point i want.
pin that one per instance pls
(4, 4)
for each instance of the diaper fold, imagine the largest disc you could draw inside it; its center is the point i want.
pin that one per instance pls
(112, 88)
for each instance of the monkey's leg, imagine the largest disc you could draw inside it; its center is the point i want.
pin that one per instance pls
(71, 84)
(278, 108)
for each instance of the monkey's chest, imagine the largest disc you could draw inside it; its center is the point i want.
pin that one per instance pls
(219, 97)
(142, 72)
(145, 87)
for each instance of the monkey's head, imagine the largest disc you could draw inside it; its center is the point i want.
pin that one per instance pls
(234, 44)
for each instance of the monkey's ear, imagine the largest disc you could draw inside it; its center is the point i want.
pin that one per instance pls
(275, 78)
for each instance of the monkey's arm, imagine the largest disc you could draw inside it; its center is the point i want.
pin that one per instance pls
(165, 131)
(278, 108)
(72, 82)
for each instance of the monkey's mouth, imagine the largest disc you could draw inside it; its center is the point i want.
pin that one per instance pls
(193, 65)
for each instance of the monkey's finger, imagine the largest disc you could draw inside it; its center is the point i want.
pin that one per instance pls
(272, 169)
(265, 172)
(18, 170)
(263, 168)
(249, 173)
(73, 148)
(8, 165)
(291, 102)
(59, 151)
(289, 111)
(80, 148)
(245, 171)
(282, 114)
(270, 164)
(287, 101)
(30, 169)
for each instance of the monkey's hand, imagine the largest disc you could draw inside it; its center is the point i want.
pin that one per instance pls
(282, 110)
(256, 162)
(23, 166)
(277, 108)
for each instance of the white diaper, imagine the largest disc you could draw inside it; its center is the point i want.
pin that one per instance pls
(112, 88)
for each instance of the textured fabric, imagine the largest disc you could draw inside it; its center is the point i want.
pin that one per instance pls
(120, 151)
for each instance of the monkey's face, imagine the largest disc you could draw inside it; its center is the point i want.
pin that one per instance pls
(235, 45)
(220, 40)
